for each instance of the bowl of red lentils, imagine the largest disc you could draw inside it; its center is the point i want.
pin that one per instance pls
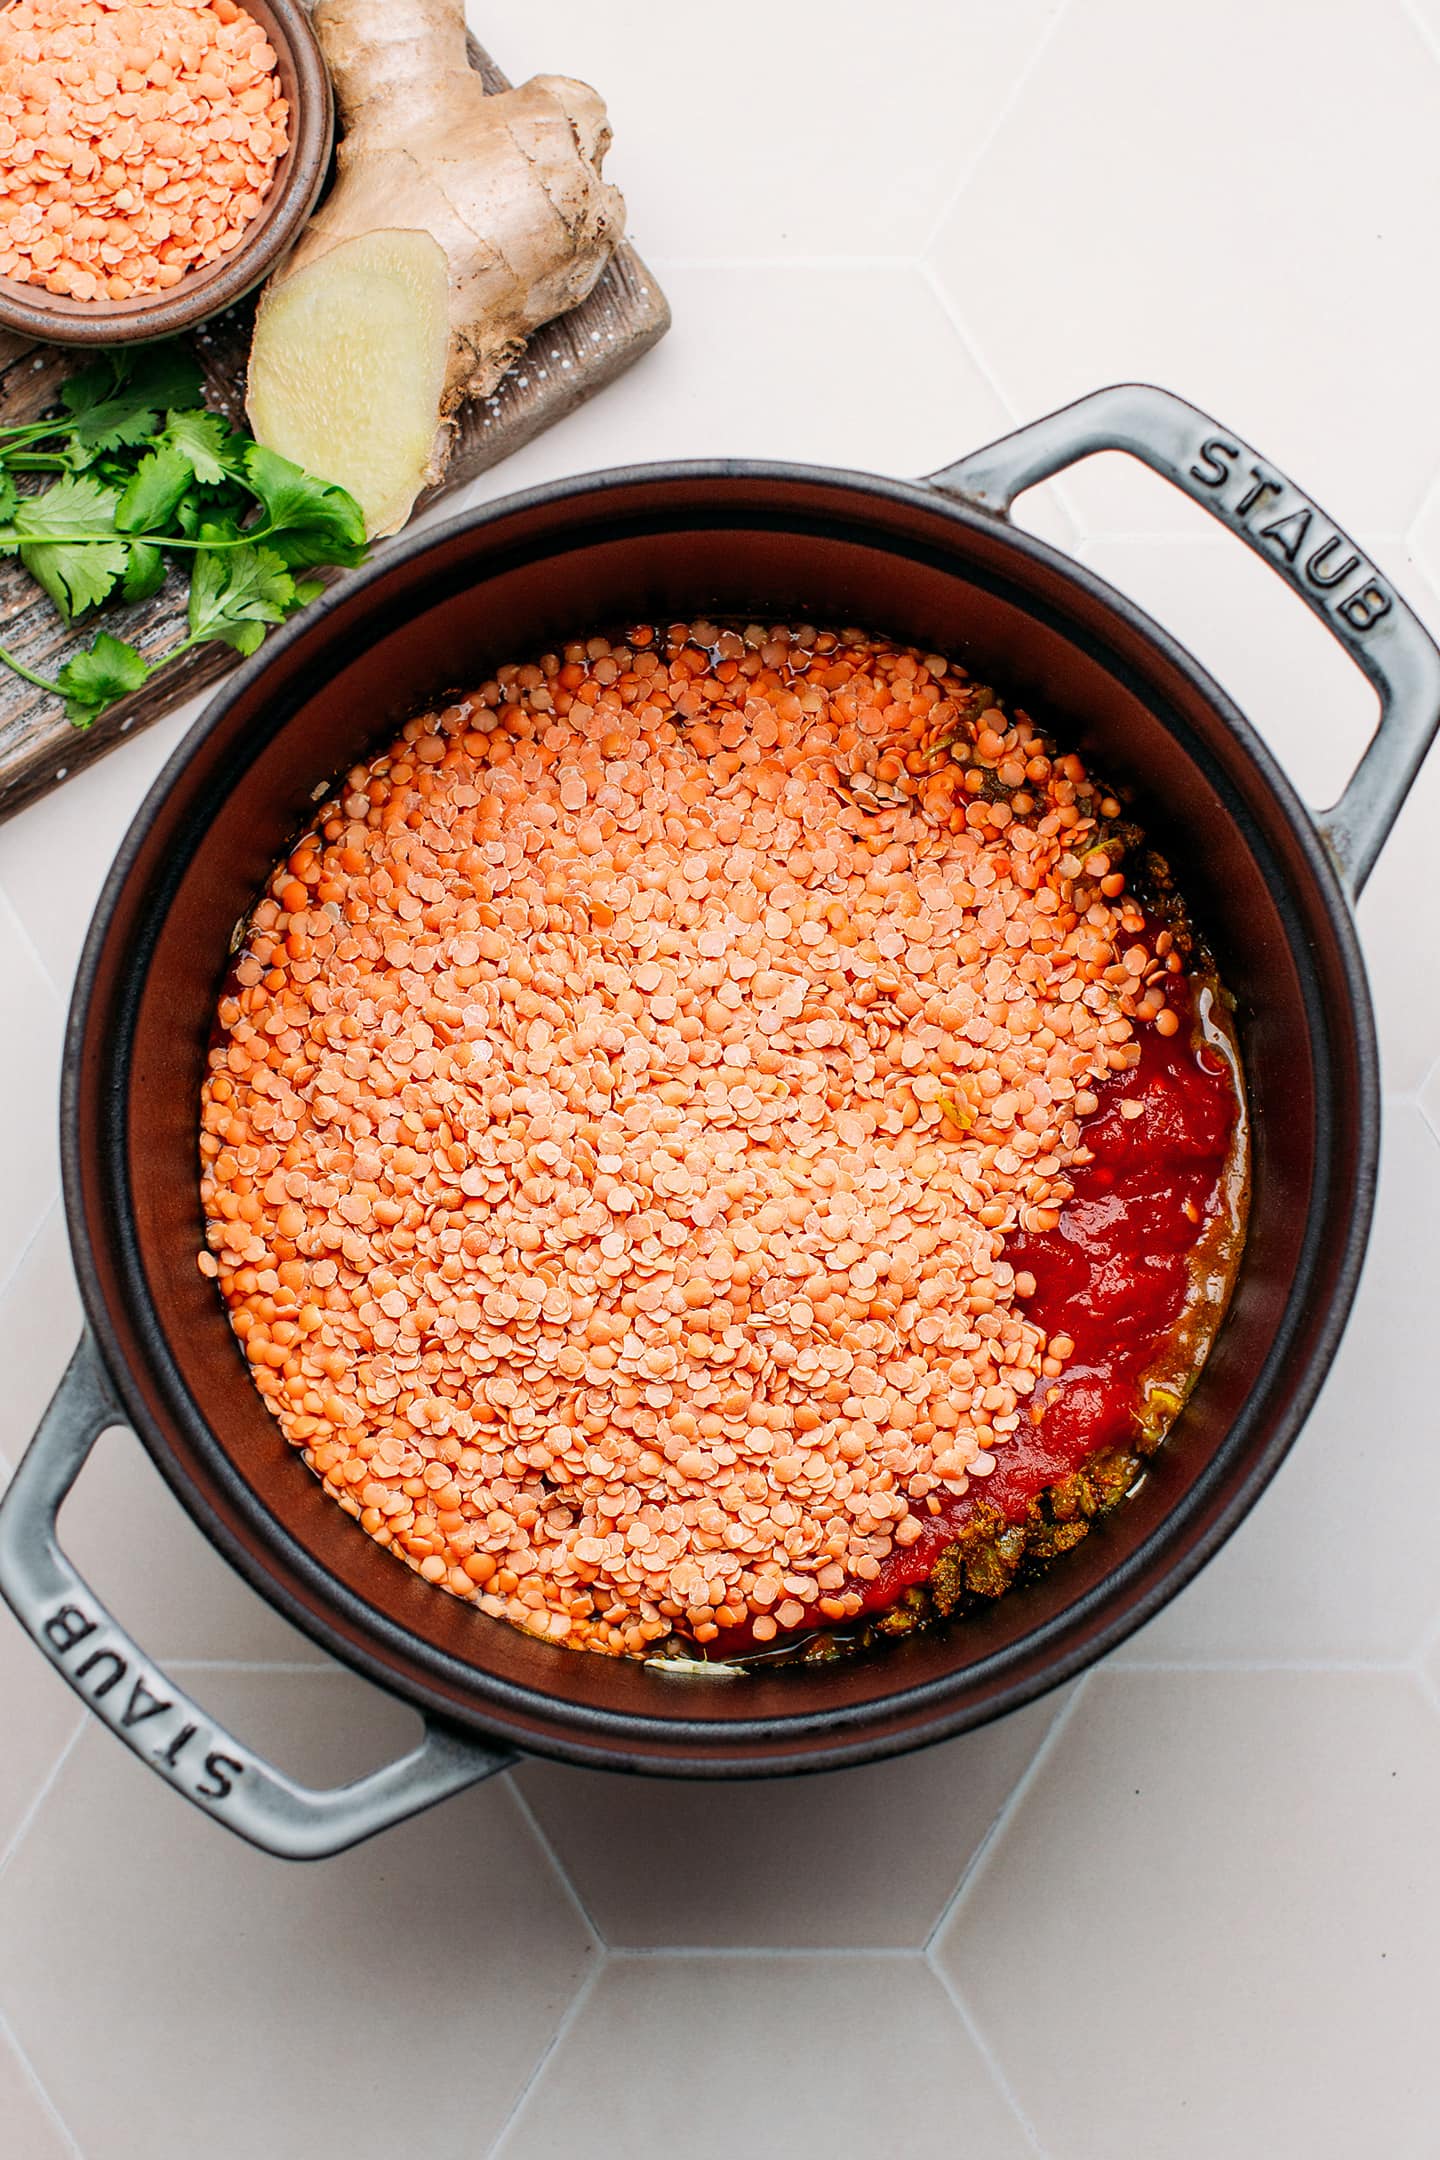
(157, 159)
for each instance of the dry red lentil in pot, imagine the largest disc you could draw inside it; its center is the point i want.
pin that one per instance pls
(626, 1102)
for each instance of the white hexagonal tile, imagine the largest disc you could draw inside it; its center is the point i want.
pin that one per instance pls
(1316, 712)
(709, 2057)
(1284, 670)
(776, 130)
(54, 857)
(1337, 1559)
(1393, 907)
(169, 1983)
(1213, 1923)
(759, 363)
(1424, 533)
(140, 1553)
(31, 1026)
(793, 1862)
(1147, 211)
(1426, 14)
(39, 1328)
(39, 1717)
(30, 2127)
(1401, 880)
(1429, 1099)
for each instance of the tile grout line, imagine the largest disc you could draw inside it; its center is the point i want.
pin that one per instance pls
(1428, 1646)
(691, 1953)
(1423, 31)
(988, 2056)
(1019, 83)
(565, 1878)
(62, 996)
(1057, 482)
(12, 1273)
(947, 308)
(1008, 1808)
(37, 2086)
(915, 265)
(23, 1827)
(569, 2018)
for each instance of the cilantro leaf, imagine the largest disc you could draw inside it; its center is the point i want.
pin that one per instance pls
(212, 523)
(76, 504)
(145, 573)
(91, 386)
(111, 669)
(202, 438)
(163, 476)
(312, 521)
(119, 399)
(234, 595)
(75, 576)
(145, 471)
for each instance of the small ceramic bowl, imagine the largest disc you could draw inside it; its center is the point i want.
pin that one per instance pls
(54, 319)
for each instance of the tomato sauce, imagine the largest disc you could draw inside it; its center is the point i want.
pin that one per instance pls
(1115, 1275)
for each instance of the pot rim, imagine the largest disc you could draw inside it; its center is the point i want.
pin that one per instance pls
(1072, 1640)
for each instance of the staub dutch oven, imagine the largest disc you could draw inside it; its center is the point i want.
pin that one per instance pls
(937, 563)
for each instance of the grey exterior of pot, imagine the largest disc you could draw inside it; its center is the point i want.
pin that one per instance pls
(123, 1156)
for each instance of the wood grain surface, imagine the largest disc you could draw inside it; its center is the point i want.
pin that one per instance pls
(566, 361)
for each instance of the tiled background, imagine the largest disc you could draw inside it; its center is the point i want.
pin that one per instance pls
(1191, 1907)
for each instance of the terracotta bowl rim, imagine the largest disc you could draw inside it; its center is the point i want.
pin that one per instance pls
(51, 319)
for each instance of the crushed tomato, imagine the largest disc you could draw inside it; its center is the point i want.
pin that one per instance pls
(1114, 1276)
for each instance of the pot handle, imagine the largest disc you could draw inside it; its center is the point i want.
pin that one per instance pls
(150, 1713)
(1221, 471)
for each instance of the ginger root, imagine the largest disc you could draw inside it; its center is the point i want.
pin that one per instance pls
(458, 224)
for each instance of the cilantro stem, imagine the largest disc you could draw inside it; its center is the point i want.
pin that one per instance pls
(252, 536)
(18, 667)
(34, 431)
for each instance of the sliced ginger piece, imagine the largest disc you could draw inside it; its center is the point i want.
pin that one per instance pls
(347, 369)
(509, 191)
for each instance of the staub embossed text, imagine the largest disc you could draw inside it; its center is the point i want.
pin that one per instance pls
(120, 1692)
(1319, 557)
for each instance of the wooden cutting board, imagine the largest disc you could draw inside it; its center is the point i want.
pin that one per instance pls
(566, 361)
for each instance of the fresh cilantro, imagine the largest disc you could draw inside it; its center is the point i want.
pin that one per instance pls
(233, 596)
(211, 517)
(145, 572)
(77, 506)
(76, 574)
(206, 444)
(308, 520)
(120, 398)
(111, 669)
(159, 484)
(147, 477)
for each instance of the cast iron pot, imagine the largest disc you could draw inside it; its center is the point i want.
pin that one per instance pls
(937, 563)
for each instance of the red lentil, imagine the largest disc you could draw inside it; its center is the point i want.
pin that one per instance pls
(620, 1107)
(137, 141)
